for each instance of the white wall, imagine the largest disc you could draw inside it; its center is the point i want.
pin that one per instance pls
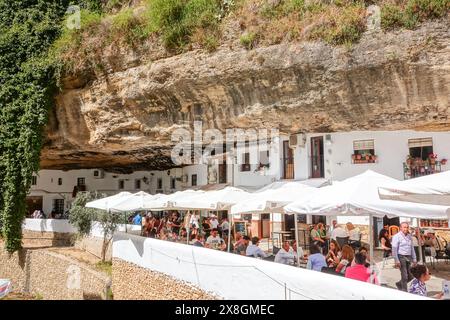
(63, 226)
(391, 147)
(232, 276)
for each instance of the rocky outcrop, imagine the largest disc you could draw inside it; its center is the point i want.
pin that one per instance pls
(388, 81)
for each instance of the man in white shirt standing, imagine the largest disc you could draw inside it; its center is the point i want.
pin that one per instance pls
(404, 255)
(213, 221)
(338, 231)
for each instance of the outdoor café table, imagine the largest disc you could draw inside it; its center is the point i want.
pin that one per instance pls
(281, 235)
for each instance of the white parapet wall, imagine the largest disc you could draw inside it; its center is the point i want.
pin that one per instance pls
(64, 226)
(48, 225)
(234, 277)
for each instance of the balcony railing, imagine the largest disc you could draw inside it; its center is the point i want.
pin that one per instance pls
(420, 168)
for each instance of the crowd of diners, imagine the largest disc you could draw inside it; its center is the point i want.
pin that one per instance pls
(350, 260)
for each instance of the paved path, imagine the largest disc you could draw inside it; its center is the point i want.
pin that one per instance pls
(441, 271)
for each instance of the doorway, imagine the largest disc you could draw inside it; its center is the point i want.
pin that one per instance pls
(288, 161)
(33, 204)
(223, 172)
(317, 161)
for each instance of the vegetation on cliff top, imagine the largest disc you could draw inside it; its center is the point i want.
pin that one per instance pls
(182, 25)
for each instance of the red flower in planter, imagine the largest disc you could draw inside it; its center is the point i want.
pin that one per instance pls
(444, 161)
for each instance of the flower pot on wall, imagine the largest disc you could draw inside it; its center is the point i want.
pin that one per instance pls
(358, 157)
(367, 157)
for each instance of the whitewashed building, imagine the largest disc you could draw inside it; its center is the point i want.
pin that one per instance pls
(322, 156)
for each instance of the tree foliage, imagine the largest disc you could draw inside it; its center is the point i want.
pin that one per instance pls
(83, 218)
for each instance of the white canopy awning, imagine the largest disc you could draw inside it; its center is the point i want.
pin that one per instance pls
(212, 200)
(137, 201)
(273, 200)
(431, 189)
(359, 196)
(108, 202)
(166, 201)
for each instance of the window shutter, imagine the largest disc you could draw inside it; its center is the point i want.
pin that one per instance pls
(363, 145)
(421, 142)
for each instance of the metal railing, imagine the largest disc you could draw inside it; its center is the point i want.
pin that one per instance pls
(411, 171)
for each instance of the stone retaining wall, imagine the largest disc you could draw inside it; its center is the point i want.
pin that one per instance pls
(131, 282)
(93, 245)
(51, 275)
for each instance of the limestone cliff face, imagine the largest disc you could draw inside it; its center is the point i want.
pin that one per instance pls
(388, 81)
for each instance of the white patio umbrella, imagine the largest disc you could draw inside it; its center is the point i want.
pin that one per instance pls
(167, 201)
(108, 202)
(430, 189)
(214, 200)
(134, 202)
(273, 201)
(358, 195)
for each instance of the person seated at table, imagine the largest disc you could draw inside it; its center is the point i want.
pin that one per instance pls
(385, 243)
(238, 239)
(254, 251)
(360, 271)
(214, 241)
(347, 257)
(430, 242)
(137, 220)
(148, 225)
(316, 260)
(354, 235)
(183, 235)
(338, 231)
(334, 254)
(175, 223)
(240, 247)
(363, 250)
(316, 237)
(206, 227)
(286, 254)
(199, 241)
(421, 275)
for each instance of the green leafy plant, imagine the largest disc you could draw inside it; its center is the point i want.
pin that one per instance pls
(248, 40)
(83, 218)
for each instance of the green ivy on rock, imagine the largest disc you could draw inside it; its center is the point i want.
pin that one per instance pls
(28, 29)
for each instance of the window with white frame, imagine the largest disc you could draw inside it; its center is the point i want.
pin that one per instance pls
(364, 151)
(420, 148)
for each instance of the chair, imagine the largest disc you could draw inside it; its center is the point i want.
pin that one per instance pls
(275, 250)
(442, 252)
(342, 241)
(393, 230)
